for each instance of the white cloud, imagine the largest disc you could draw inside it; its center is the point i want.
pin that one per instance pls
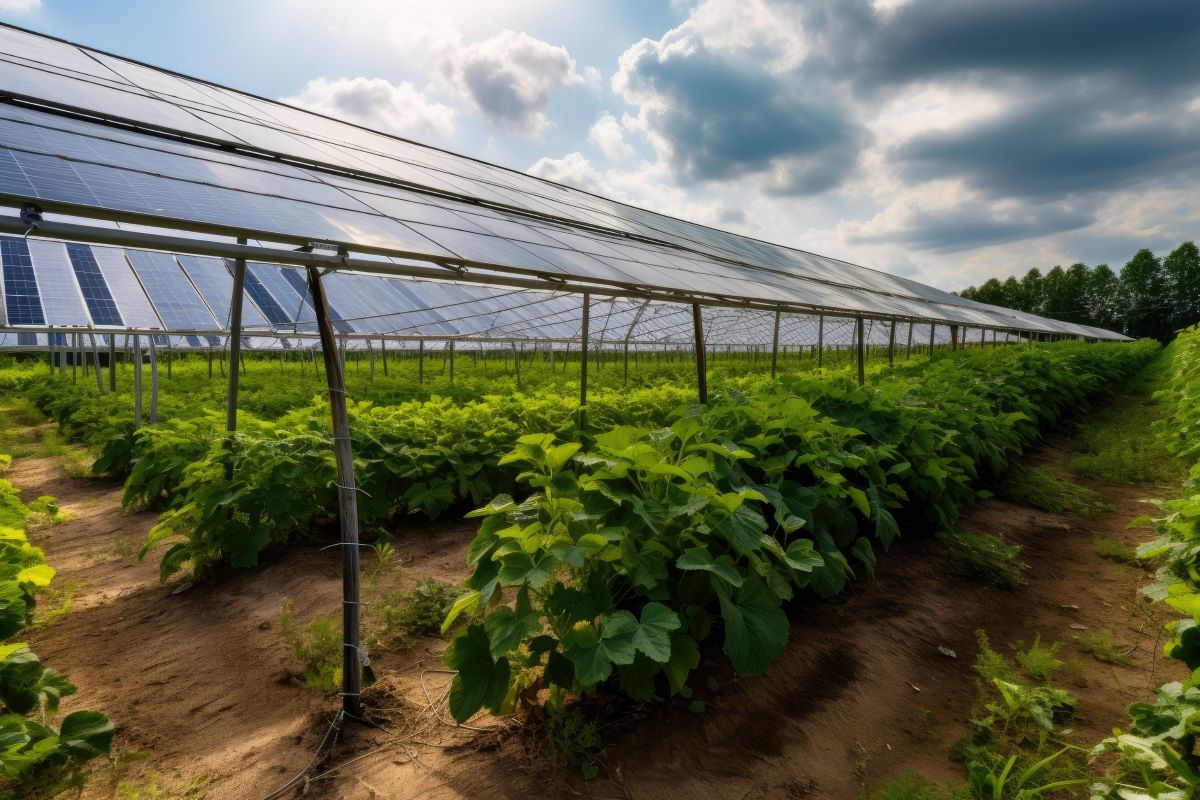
(607, 134)
(20, 6)
(509, 76)
(377, 103)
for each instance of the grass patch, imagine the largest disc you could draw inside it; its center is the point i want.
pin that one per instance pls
(911, 786)
(1116, 445)
(54, 603)
(1114, 550)
(1103, 646)
(155, 788)
(1040, 661)
(1043, 488)
(318, 647)
(416, 612)
(987, 558)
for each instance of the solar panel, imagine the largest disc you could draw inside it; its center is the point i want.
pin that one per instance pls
(233, 162)
(22, 300)
(173, 295)
(61, 299)
(99, 299)
(215, 284)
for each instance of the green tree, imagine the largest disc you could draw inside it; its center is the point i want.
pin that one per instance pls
(990, 292)
(1012, 293)
(1143, 295)
(1101, 297)
(1031, 292)
(1182, 273)
(1053, 294)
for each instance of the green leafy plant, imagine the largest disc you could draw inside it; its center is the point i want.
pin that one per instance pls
(1114, 550)
(1043, 488)
(155, 787)
(317, 646)
(1040, 661)
(911, 786)
(1103, 646)
(987, 558)
(418, 611)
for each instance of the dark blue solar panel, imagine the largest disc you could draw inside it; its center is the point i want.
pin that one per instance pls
(27, 339)
(271, 309)
(293, 277)
(21, 297)
(194, 341)
(99, 299)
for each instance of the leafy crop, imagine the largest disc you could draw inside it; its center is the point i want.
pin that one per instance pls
(35, 755)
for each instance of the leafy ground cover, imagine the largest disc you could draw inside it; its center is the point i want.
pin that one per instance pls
(629, 550)
(37, 757)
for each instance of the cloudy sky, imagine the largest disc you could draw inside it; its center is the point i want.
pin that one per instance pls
(948, 140)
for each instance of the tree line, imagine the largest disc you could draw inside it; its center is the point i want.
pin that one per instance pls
(1150, 297)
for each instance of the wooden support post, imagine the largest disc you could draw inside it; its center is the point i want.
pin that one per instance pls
(137, 380)
(908, 347)
(517, 366)
(626, 378)
(860, 350)
(370, 362)
(210, 362)
(584, 332)
(775, 347)
(701, 366)
(892, 344)
(112, 362)
(820, 341)
(932, 326)
(383, 354)
(982, 337)
(235, 341)
(50, 347)
(953, 337)
(74, 358)
(352, 654)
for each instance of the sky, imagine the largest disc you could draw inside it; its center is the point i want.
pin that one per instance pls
(945, 140)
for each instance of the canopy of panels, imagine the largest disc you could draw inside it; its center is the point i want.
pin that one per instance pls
(127, 148)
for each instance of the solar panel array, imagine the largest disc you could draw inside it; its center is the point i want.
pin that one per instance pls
(93, 135)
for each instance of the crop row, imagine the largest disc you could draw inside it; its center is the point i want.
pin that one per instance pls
(1157, 754)
(34, 754)
(622, 554)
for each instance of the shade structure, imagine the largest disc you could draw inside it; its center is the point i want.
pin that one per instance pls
(97, 148)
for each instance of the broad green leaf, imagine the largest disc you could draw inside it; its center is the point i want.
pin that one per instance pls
(756, 629)
(481, 682)
(700, 558)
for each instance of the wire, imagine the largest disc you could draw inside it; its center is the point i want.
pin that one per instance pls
(327, 742)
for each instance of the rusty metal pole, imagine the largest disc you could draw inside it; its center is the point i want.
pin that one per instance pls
(701, 366)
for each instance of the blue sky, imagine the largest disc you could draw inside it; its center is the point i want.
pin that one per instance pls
(949, 140)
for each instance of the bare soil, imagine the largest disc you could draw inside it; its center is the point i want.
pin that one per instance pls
(203, 682)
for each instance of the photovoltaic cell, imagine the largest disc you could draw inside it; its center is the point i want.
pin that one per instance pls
(96, 294)
(298, 284)
(172, 293)
(22, 300)
(263, 299)
(215, 284)
(61, 300)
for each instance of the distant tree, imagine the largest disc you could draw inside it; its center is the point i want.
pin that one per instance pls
(1012, 294)
(1053, 287)
(1073, 294)
(1101, 298)
(991, 291)
(1031, 292)
(1143, 295)
(1182, 274)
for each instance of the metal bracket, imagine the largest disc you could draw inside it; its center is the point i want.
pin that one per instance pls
(31, 215)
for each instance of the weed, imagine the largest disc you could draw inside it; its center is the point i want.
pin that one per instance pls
(1112, 445)
(44, 512)
(1040, 661)
(54, 603)
(120, 762)
(156, 789)
(911, 786)
(987, 558)
(318, 646)
(571, 740)
(989, 664)
(416, 612)
(1114, 550)
(1042, 488)
(1103, 646)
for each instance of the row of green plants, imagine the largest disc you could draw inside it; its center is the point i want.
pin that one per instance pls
(224, 498)
(37, 757)
(628, 551)
(1156, 756)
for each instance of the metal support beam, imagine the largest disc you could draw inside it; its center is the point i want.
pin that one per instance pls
(860, 350)
(352, 654)
(892, 344)
(953, 337)
(775, 347)
(820, 341)
(584, 332)
(235, 341)
(112, 362)
(701, 366)
(96, 362)
(421, 361)
(932, 326)
(137, 380)
(908, 347)
(153, 383)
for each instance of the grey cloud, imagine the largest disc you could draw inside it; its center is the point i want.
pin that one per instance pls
(975, 225)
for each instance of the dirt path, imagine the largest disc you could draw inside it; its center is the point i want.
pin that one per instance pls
(201, 679)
